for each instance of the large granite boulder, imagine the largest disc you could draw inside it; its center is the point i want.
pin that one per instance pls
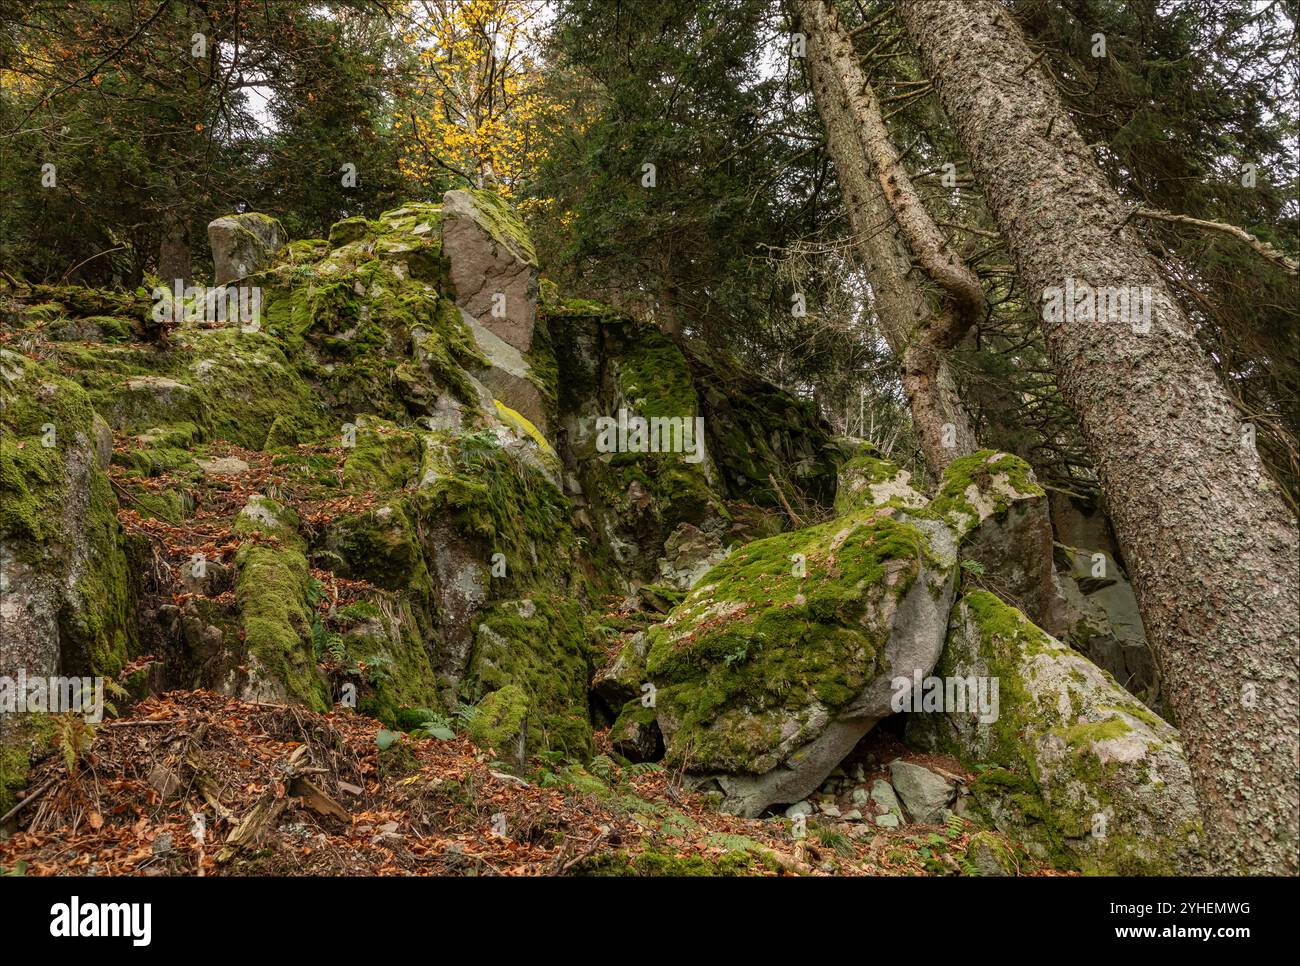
(783, 656)
(243, 245)
(1070, 763)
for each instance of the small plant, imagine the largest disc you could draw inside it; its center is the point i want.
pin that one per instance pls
(75, 735)
(836, 841)
(736, 656)
(953, 827)
(436, 726)
(603, 767)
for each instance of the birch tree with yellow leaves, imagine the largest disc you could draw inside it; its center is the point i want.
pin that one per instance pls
(476, 108)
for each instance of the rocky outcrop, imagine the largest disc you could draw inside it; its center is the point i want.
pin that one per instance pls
(386, 495)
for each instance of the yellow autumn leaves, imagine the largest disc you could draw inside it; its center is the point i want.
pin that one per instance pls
(477, 106)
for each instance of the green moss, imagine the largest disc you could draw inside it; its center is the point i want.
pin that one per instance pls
(381, 546)
(384, 456)
(349, 230)
(499, 719)
(276, 620)
(754, 643)
(659, 863)
(169, 505)
(262, 515)
(247, 384)
(759, 432)
(656, 378)
(539, 647)
(390, 655)
(27, 739)
(507, 503)
(858, 475)
(1081, 736)
(446, 347)
(362, 610)
(543, 367)
(1083, 783)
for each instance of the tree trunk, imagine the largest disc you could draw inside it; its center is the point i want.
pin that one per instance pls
(174, 250)
(1211, 545)
(887, 218)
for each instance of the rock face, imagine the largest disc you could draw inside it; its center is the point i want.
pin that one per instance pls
(493, 265)
(782, 657)
(64, 584)
(1001, 516)
(1084, 773)
(1101, 619)
(243, 245)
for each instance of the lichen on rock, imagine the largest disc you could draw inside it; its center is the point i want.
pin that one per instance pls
(1080, 769)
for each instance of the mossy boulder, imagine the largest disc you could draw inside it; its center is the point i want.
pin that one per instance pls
(1073, 764)
(782, 657)
(868, 480)
(538, 647)
(243, 244)
(272, 594)
(500, 722)
(635, 733)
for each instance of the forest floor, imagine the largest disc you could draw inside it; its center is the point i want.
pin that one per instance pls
(279, 790)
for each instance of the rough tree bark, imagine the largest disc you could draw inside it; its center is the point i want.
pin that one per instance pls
(174, 257)
(888, 221)
(1212, 547)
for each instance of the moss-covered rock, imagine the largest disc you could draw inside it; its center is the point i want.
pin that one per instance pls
(66, 604)
(243, 244)
(781, 658)
(1001, 514)
(275, 614)
(538, 647)
(500, 722)
(867, 480)
(1082, 770)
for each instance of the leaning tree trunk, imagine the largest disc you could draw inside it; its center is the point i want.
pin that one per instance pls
(887, 219)
(1212, 546)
